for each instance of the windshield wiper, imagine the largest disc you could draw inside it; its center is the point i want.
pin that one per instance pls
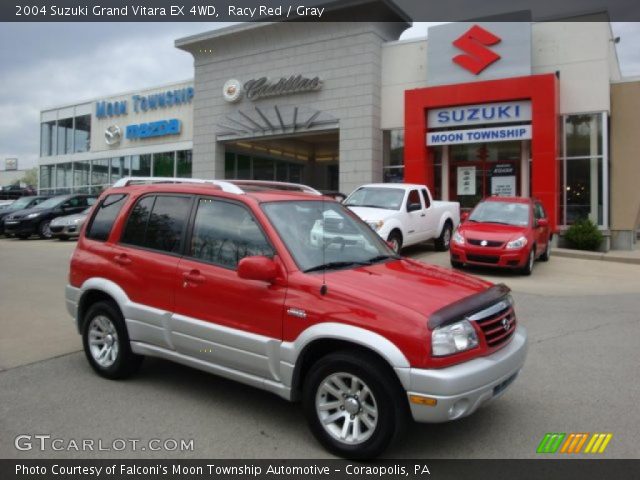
(379, 258)
(330, 265)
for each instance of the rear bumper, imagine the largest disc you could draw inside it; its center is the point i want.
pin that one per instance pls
(461, 389)
(487, 256)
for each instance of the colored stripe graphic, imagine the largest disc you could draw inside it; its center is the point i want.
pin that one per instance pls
(598, 443)
(574, 443)
(551, 442)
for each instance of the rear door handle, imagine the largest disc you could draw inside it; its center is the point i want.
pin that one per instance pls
(122, 259)
(194, 276)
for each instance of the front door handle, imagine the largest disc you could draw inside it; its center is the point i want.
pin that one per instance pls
(122, 259)
(193, 276)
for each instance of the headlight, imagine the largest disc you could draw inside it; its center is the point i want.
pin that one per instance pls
(78, 220)
(33, 215)
(453, 338)
(517, 243)
(458, 238)
(376, 225)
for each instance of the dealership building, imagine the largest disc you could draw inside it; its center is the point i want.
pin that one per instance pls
(475, 109)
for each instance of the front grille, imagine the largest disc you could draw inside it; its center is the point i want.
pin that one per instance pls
(483, 258)
(490, 243)
(497, 323)
(56, 229)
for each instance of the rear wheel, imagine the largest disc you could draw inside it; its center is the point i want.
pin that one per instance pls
(528, 267)
(44, 230)
(353, 404)
(106, 342)
(395, 241)
(444, 240)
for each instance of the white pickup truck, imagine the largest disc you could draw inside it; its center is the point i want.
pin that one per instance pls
(405, 214)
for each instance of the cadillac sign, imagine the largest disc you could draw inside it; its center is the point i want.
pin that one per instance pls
(263, 87)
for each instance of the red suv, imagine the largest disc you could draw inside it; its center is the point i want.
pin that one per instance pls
(238, 281)
(508, 232)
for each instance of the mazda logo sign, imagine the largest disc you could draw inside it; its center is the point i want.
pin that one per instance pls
(112, 135)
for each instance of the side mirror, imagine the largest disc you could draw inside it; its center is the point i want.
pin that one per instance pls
(259, 268)
(412, 207)
(464, 216)
(542, 222)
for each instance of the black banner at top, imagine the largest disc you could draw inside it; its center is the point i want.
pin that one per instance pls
(316, 10)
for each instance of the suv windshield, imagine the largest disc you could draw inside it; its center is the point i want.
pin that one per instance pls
(376, 197)
(501, 212)
(323, 235)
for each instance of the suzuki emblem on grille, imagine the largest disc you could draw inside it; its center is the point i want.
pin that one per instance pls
(505, 324)
(484, 243)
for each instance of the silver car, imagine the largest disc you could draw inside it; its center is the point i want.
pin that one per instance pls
(68, 226)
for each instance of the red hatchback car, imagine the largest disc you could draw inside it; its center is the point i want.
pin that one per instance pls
(508, 232)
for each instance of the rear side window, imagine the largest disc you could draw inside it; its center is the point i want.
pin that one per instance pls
(425, 197)
(158, 223)
(104, 216)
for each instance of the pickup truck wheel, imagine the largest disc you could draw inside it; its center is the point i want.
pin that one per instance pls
(352, 406)
(528, 267)
(444, 240)
(395, 241)
(106, 342)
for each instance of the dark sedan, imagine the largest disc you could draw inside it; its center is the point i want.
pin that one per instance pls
(37, 220)
(20, 204)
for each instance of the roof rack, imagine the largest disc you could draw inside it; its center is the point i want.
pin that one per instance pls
(225, 186)
(273, 185)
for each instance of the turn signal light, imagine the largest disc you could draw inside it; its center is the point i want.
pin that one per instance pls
(420, 400)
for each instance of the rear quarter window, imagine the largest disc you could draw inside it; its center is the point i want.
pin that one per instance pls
(104, 217)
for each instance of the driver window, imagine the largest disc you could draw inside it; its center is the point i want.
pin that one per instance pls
(224, 233)
(414, 197)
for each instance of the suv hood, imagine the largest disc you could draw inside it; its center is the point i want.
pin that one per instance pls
(408, 283)
(369, 214)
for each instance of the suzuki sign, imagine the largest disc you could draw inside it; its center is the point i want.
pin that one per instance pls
(466, 52)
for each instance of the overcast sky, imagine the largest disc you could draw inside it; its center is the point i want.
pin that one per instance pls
(51, 64)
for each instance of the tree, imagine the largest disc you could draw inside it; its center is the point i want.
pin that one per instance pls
(30, 177)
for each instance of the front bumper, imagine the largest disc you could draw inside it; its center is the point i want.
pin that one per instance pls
(20, 227)
(488, 256)
(64, 230)
(461, 389)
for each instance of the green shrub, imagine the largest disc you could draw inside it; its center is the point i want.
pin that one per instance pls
(583, 235)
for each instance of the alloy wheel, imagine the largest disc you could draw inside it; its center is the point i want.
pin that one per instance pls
(103, 341)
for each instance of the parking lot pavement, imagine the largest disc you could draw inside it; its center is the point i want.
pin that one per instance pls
(580, 376)
(34, 321)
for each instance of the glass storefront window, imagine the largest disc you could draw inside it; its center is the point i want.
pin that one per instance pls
(81, 173)
(64, 178)
(65, 136)
(48, 139)
(184, 164)
(393, 156)
(243, 167)
(119, 168)
(263, 169)
(163, 164)
(100, 172)
(82, 133)
(46, 176)
(229, 165)
(583, 167)
(141, 165)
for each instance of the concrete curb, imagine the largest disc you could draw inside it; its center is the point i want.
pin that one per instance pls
(631, 258)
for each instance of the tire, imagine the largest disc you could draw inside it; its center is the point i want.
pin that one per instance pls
(528, 267)
(547, 252)
(455, 264)
(104, 327)
(63, 238)
(44, 231)
(22, 236)
(395, 239)
(381, 415)
(444, 240)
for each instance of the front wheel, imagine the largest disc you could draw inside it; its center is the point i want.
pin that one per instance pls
(395, 241)
(44, 229)
(353, 405)
(528, 267)
(106, 342)
(547, 252)
(444, 240)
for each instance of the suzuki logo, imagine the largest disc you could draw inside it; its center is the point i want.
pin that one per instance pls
(474, 43)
